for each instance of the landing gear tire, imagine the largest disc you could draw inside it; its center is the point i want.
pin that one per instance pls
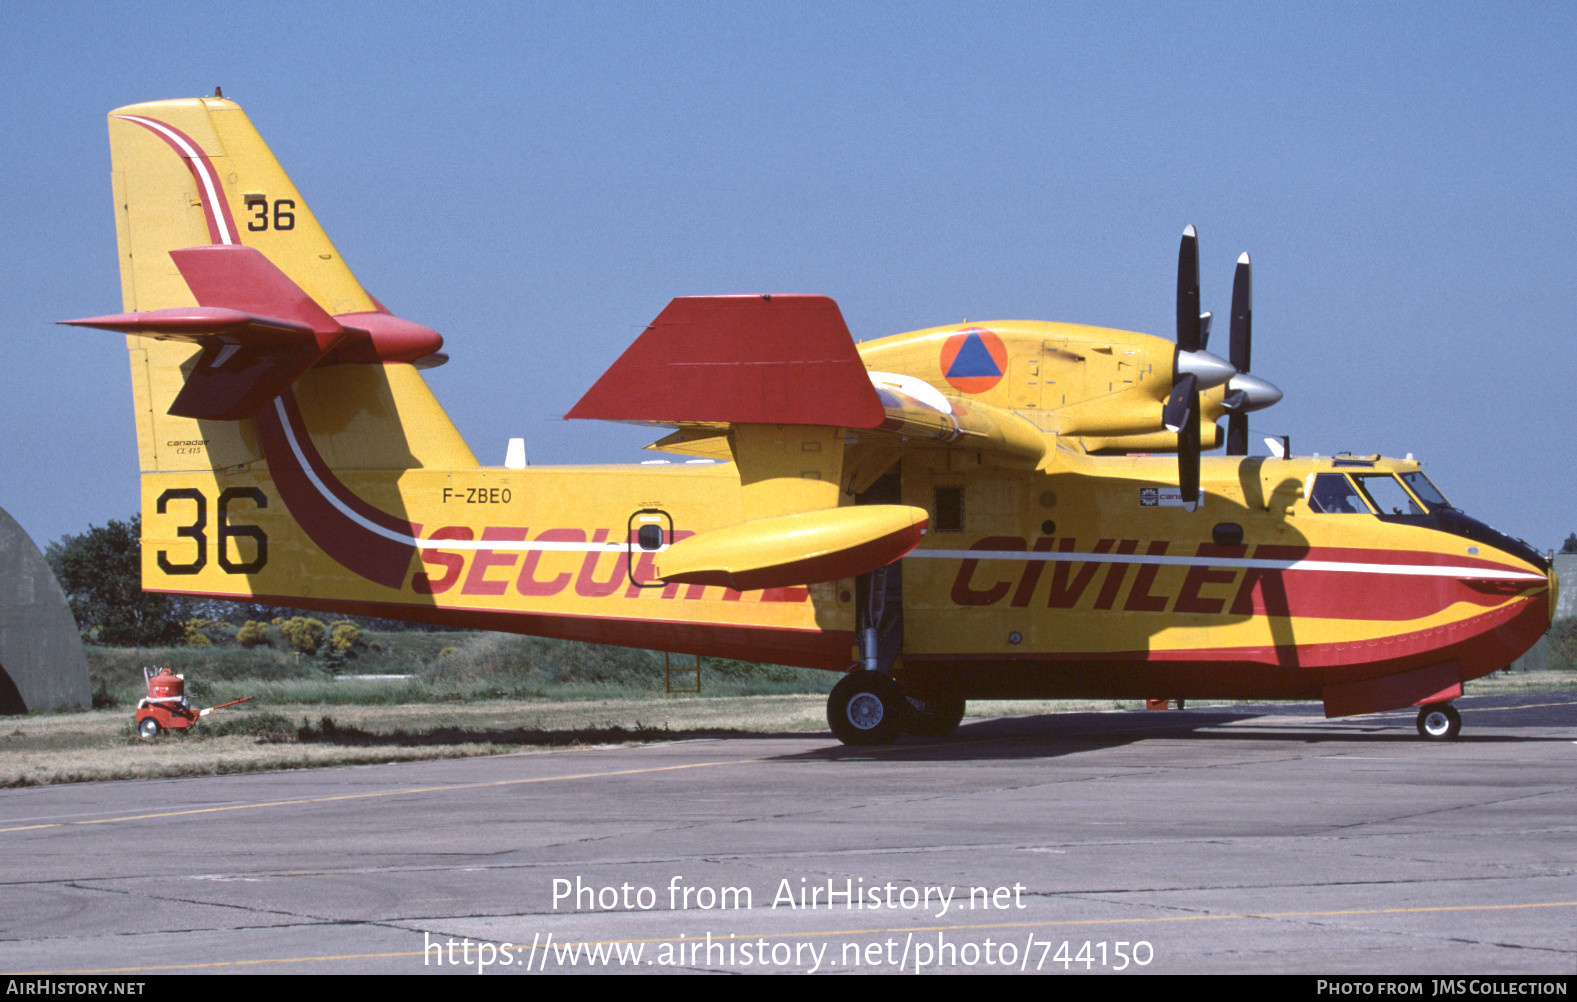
(149, 728)
(867, 708)
(935, 718)
(1439, 722)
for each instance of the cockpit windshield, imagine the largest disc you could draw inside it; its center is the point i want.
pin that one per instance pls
(1426, 491)
(1388, 496)
(1334, 494)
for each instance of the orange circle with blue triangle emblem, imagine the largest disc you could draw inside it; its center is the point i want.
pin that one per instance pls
(974, 361)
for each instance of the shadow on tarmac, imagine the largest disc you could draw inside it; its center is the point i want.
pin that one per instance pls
(1055, 734)
(1049, 735)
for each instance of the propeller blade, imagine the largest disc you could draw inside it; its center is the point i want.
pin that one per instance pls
(1188, 292)
(1246, 391)
(1237, 434)
(1182, 405)
(1242, 314)
(1188, 455)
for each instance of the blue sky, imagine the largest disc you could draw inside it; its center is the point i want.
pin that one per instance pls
(536, 181)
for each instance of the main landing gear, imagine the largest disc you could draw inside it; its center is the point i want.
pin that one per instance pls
(1439, 722)
(868, 708)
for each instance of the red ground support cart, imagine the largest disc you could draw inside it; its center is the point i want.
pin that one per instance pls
(165, 707)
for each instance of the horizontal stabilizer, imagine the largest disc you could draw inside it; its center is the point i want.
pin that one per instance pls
(238, 277)
(197, 323)
(797, 549)
(740, 360)
(260, 331)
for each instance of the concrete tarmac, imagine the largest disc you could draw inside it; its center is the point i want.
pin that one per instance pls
(1219, 840)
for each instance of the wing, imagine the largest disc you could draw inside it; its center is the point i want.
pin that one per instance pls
(777, 384)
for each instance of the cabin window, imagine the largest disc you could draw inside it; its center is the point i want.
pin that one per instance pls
(649, 537)
(1334, 494)
(948, 511)
(1388, 496)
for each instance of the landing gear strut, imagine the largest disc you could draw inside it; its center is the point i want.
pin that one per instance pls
(1439, 722)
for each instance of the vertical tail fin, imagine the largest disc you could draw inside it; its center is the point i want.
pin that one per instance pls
(195, 171)
(218, 249)
(264, 376)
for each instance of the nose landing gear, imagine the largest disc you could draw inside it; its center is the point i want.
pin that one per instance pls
(1439, 722)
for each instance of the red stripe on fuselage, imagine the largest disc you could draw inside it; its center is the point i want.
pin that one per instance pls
(1480, 644)
(373, 556)
(1319, 594)
(350, 499)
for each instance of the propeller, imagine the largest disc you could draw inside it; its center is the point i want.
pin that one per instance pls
(1197, 370)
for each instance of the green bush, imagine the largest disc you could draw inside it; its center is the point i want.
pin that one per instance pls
(344, 635)
(253, 634)
(303, 633)
(194, 633)
(101, 573)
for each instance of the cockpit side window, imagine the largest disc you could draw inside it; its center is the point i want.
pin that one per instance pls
(1388, 496)
(1427, 492)
(1334, 494)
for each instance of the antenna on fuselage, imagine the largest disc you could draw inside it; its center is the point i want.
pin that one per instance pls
(515, 454)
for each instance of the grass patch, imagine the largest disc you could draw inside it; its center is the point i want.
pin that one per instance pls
(464, 694)
(443, 667)
(40, 749)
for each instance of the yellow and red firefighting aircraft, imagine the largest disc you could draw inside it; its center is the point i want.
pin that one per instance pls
(954, 511)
